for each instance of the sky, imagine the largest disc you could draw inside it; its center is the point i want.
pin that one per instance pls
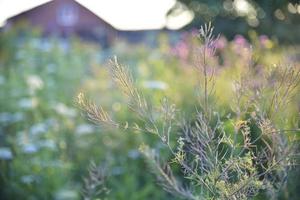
(122, 14)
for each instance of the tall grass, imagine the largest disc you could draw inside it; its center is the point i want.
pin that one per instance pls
(212, 155)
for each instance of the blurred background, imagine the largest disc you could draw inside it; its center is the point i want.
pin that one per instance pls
(52, 50)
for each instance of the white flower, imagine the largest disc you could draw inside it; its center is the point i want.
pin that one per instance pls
(84, 129)
(65, 194)
(5, 153)
(30, 148)
(236, 87)
(38, 128)
(153, 84)
(64, 110)
(27, 179)
(21, 138)
(34, 83)
(28, 103)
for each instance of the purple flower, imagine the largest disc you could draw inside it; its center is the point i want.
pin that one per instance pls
(221, 43)
(240, 41)
(181, 50)
(264, 41)
(194, 32)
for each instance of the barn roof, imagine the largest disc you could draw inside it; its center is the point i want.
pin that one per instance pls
(24, 13)
(120, 14)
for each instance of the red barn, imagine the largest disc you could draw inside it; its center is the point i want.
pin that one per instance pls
(65, 18)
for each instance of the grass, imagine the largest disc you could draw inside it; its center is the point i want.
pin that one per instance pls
(46, 145)
(254, 157)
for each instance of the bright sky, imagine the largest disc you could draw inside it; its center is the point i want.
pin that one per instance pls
(122, 14)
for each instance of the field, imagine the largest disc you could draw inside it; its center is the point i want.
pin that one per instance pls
(50, 147)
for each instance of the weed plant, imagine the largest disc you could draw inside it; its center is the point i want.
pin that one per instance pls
(238, 155)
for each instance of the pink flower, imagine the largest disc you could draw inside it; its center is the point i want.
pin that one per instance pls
(194, 32)
(221, 43)
(240, 41)
(181, 50)
(264, 41)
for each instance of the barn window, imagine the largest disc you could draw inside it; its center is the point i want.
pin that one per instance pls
(67, 15)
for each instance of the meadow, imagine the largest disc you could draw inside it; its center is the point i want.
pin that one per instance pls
(51, 147)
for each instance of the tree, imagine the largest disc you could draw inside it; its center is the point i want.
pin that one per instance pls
(278, 17)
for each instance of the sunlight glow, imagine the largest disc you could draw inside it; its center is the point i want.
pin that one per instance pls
(242, 6)
(180, 20)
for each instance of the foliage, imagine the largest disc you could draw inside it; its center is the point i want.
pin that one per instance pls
(94, 184)
(270, 17)
(46, 145)
(215, 162)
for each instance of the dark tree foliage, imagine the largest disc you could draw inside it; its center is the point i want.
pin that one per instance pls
(271, 17)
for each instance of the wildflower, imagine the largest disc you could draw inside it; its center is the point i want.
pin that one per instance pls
(143, 148)
(51, 122)
(240, 123)
(80, 99)
(28, 103)
(38, 128)
(221, 43)
(265, 42)
(155, 85)
(224, 167)
(34, 83)
(181, 50)
(5, 153)
(7, 118)
(62, 109)
(194, 32)
(30, 149)
(84, 129)
(179, 156)
(240, 42)
(66, 194)
(28, 179)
